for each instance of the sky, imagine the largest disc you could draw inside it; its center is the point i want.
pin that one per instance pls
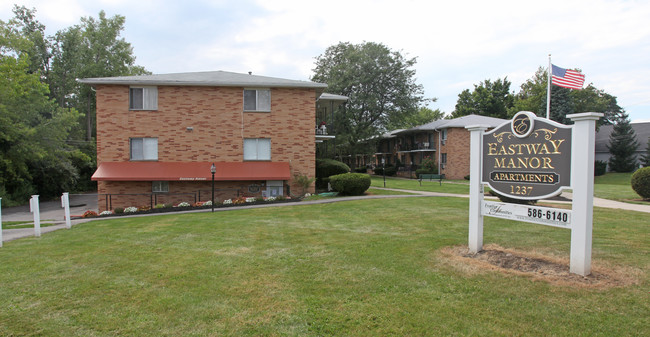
(457, 43)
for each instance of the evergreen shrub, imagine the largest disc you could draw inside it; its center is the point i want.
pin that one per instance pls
(600, 168)
(641, 182)
(350, 183)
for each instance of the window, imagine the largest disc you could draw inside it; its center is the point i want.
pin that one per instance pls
(257, 149)
(160, 186)
(257, 100)
(443, 160)
(144, 148)
(143, 98)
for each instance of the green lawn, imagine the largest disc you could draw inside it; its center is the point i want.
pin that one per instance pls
(360, 268)
(615, 186)
(448, 186)
(23, 224)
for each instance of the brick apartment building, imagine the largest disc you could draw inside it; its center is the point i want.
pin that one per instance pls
(446, 141)
(158, 136)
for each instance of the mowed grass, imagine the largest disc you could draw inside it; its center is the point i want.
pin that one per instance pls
(448, 186)
(615, 186)
(356, 268)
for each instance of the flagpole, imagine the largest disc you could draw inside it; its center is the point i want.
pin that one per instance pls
(548, 89)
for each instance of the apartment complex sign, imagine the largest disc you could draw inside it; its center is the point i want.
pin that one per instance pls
(527, 158)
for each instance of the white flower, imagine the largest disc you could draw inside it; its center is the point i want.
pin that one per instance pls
(307, 195)
(251, 199)
(130, 209)
(208, 203)
(270, 199)
(183, 204)
(106, 213)
(227, 202)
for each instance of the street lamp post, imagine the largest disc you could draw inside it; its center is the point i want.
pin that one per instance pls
(213, 170)
(383, 169)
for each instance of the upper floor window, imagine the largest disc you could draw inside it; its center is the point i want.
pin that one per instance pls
(143, 98)
(144, 148)
(257, 100)
(257, 149)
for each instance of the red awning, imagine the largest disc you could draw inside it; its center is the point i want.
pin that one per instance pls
(159, 171)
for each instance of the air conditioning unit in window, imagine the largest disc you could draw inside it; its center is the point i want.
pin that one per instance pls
(443, 141)
(443, 165)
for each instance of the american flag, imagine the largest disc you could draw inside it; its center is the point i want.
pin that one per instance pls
(567, 78)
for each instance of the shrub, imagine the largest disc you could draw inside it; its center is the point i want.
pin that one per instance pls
(130, 210)
(466, 177)
(183, 204)
(641, 182)
(106, 213)
(159, 206)
(303, 181)
(422, 171)
(429, 165)
(329, 167)
(361, 170)
(391, 170)
(350, 183)
(118, 210)
(89, 214)
(600, 168)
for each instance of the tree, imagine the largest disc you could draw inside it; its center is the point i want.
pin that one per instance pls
(645, 158)
(489, 98)
(424, 115)
(532, 97)
(33, 129)
(381, 87)
(622, 145)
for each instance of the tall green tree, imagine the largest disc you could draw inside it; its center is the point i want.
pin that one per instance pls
(381, 87)
(424, 115)
(33, 129)
(488, 98)
(532, 97)
(645, 158)
(622, 146)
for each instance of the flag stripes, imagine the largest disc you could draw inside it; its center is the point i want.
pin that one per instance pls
(567, 78)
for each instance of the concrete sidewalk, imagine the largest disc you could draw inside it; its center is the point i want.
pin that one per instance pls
(52, 212)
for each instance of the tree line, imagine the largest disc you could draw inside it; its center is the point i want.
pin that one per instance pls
(46, 117)
(384, 96)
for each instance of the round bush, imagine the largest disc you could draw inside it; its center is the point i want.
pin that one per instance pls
(600, 168)
(329, 167)
(350, 183)
(641, 182)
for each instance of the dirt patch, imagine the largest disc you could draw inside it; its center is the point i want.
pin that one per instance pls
(536, 266)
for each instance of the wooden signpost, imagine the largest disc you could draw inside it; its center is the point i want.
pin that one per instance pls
(532, 158)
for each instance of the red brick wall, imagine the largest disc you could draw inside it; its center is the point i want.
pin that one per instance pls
(457, 148)
(219, 127)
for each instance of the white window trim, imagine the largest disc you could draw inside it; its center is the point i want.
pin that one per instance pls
(146, 142)
(149, 98)
(257, 99)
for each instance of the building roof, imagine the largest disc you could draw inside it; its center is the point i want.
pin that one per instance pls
(459, 122)
(333, 97)
(642, 131)
(191, 171)
(206, 78)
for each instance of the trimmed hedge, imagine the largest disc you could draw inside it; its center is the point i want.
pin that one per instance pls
(600, 168)
(390, 170)
(329, 167)
(326, 168)
(641, 182)
(350, 183)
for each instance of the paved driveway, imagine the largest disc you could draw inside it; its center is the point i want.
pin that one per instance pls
(52, 210)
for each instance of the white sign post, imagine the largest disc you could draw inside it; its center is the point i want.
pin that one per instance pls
(34, 208)
(579, 219)
(65, 203)
(582, 177)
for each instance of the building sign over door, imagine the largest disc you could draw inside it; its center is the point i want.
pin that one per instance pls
(527, 158)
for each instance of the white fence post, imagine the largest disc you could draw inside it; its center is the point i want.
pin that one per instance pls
(34, 208)
(475, 189)
(582, 179)
(65, 203)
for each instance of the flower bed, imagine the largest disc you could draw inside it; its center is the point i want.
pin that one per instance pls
(185, 206)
